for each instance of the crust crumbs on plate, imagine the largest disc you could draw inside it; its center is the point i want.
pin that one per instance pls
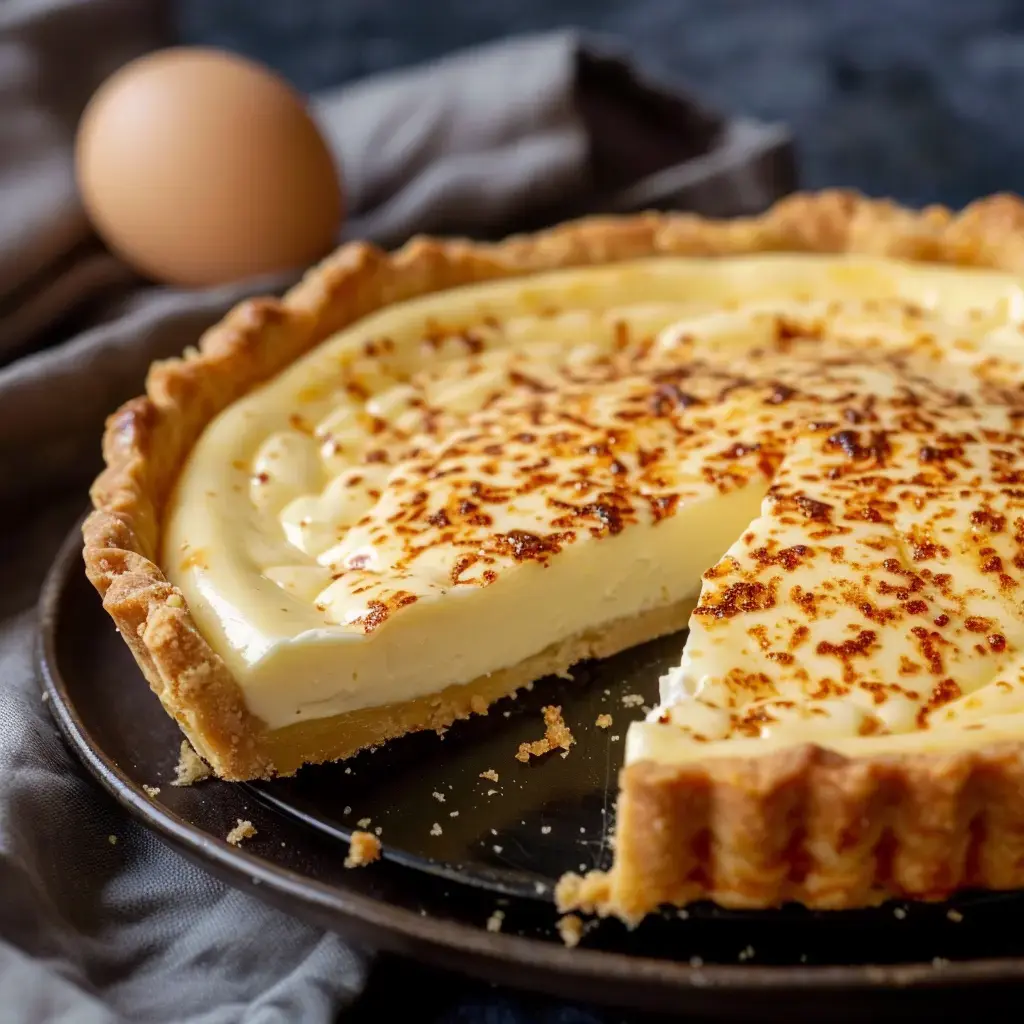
(556, 734)
(191, 768)
(243, 830)
(570, 928)
(364, 848)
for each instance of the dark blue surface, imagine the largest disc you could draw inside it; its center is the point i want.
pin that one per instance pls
(919, 100)
(915, 99)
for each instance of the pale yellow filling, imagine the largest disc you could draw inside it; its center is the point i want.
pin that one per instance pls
(283, 532)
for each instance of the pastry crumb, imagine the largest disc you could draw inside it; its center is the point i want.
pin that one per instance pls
(556, 734)
(746, 954)
(495, 921)
(632, 700)
(491, 792)
(955, 916)
(363, 822)
(545, 830)
(112, 840)
(603, 721)
(570, 928)
(191, 768)
(151, 791)
(439, 797)
(363, 848)
(435, 829)
(489, 774)
(242, 831)
(899, 913)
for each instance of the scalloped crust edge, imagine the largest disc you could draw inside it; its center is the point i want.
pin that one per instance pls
(802, 824)
(807, 825)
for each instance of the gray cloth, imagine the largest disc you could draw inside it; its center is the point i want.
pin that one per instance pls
(482, 143)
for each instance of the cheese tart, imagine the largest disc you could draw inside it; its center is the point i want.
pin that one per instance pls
(424, 480)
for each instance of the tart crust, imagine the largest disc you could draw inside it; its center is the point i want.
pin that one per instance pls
(800, 824)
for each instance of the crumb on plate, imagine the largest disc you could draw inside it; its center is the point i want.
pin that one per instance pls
(570, 928)
(151, 791)
(243, 830)
(489, 774)
(556, 734)
(191, 768)
(363, 848)
(494, 922)
(603, 721)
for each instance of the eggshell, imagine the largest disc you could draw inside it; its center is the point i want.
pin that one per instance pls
(200, 167)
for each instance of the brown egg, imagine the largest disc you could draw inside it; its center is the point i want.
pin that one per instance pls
(199, 167)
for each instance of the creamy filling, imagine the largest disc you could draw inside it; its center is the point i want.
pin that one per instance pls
(457, 483)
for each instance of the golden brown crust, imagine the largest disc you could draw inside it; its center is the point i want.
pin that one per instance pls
(802, 824)
(810, 826)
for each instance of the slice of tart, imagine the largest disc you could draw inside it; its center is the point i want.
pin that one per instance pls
(422, 481)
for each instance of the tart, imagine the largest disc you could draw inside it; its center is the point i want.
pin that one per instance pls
(423, 480)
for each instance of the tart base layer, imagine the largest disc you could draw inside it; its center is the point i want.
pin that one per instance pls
(802, 824)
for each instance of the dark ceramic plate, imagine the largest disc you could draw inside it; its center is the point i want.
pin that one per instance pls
(501, 847)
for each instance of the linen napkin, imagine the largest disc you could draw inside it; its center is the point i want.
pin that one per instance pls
(499, 139)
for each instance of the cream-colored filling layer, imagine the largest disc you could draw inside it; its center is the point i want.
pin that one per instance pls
(456, 483)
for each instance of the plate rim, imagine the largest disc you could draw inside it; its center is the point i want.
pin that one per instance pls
(398, 927)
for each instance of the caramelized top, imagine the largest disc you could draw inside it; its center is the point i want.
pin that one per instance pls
(420, 460)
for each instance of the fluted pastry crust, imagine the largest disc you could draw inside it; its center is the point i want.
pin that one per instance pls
(799, 824)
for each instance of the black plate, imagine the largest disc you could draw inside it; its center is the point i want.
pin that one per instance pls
(435, 893)
(515, 835)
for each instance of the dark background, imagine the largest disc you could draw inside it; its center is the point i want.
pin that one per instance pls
(919, 100)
